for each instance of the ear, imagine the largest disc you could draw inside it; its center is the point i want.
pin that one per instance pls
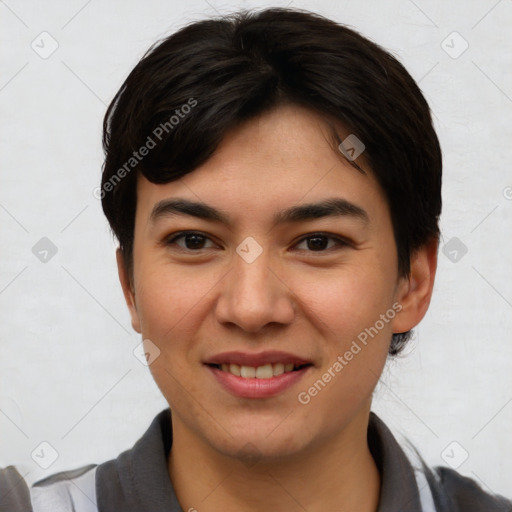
(129, 293)
(415, 291)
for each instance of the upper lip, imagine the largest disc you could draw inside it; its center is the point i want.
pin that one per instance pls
(256, 359)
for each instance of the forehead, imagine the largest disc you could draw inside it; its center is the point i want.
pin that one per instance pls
(283, 157)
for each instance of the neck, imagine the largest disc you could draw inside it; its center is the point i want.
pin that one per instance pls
(339, 474)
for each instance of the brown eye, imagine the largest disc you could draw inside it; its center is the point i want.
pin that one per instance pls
(318, 242)
(193, 241)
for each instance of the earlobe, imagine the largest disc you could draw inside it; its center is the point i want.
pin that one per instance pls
(128, 292)
(415, 291)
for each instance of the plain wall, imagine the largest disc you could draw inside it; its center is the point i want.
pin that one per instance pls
(68, 375)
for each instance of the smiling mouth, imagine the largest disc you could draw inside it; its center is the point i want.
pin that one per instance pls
(266, 371)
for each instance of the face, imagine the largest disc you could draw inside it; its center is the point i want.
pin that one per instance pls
(249, 295)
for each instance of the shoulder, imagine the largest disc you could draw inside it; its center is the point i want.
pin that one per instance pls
(453, 491)
(113, 484)
(66, 491)
(439, 488)
(14, 491)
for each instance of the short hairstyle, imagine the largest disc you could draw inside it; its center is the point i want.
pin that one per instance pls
(195, 85)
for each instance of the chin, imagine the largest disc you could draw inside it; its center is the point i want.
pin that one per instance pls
(266, 442)
(250, 453)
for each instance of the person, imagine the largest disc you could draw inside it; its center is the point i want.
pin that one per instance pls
(274, 181)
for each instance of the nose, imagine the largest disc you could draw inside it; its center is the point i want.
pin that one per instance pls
(254, 294)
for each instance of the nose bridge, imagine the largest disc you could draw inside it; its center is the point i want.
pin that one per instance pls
(253, 295)
(252, 270)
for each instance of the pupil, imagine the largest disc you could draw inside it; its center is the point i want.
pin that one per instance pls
(317, 245)
(199, 240)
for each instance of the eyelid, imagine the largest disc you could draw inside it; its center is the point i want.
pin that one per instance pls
(340, 240)
(170, 239)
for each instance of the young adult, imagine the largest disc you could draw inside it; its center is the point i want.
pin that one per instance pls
(274, 181)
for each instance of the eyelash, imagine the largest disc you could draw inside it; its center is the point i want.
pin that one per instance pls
(170, 240)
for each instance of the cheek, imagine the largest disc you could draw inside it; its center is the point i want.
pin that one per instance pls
(171, 303)
(346, 309)
(344, 302)
(354, 346)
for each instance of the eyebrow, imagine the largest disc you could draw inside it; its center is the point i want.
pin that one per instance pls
(331, 207)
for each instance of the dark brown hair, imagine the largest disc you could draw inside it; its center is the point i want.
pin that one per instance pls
(194, 86)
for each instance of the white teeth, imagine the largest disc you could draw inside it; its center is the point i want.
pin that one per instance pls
(234, 369)
(248, 372)
(278, 369)
(266, 371)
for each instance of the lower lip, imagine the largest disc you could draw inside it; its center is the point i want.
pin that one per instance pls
(257, 388)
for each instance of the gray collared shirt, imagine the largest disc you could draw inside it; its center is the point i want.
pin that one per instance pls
(138, 481)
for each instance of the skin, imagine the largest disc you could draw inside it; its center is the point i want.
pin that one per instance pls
(232, 453)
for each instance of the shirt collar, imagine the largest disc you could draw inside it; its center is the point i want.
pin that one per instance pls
(138, 479)
(399, 491)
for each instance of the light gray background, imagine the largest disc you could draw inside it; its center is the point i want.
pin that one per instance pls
(68, 375)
